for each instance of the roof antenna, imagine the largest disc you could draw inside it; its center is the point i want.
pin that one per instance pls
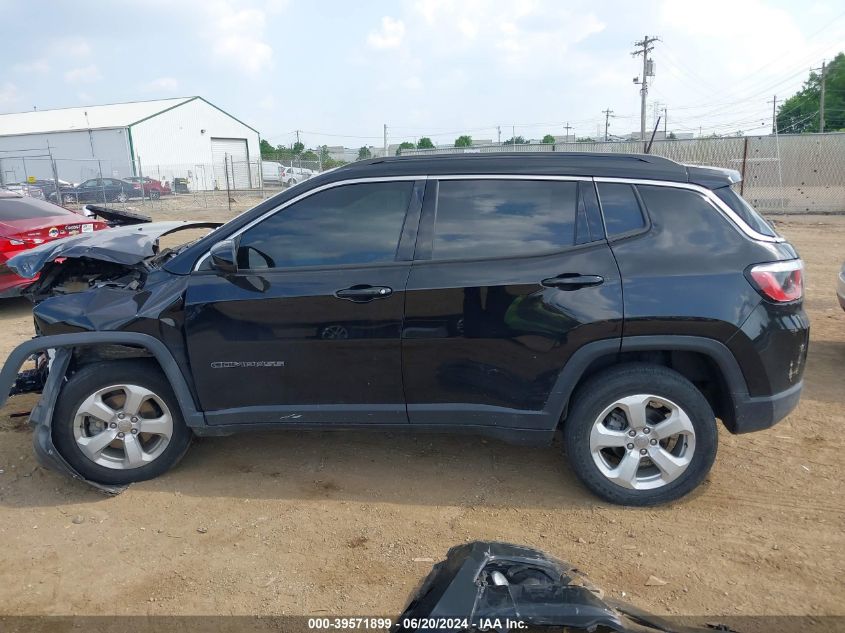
(651, 140)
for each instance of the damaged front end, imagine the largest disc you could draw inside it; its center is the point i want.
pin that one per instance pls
(490, 586)
(97, 296)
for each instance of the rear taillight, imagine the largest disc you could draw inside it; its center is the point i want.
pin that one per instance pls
(779, 281)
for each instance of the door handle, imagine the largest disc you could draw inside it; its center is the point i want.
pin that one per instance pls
(363, 293)
(572, 282)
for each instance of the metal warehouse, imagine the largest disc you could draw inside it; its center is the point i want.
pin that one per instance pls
(185, 137)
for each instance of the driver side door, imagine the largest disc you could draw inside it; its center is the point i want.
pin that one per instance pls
(307, 329)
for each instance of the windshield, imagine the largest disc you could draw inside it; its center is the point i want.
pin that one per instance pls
(745, 211)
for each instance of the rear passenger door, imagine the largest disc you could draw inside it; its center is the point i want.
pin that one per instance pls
(510, 277)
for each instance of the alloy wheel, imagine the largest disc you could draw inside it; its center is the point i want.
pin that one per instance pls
(122, 426)
(642, 442)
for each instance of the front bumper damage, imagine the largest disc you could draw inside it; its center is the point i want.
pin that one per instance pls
(41, 418)
(490, 586)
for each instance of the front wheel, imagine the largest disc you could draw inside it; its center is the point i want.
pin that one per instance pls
(122, 197)
(119, 422)
(640, 435)
(155, 195)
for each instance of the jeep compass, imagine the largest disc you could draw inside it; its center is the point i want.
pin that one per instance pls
(629, 302)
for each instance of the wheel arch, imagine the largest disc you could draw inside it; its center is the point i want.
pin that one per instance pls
(116, 345)
(707, 363)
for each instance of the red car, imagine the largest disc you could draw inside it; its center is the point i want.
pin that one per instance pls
(26, 222)
(155, 189)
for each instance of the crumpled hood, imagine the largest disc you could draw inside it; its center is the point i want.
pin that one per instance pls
(126, 245)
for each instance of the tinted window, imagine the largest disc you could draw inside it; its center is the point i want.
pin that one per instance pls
(23, 208)
(745, 211)
(352, 224)
(497, 218)
(620, 207)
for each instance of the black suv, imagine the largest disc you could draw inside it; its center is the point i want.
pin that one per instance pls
(625, 300)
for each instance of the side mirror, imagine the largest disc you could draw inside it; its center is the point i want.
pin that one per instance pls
(223, 257)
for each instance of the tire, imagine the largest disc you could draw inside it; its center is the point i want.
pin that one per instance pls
(661, 396)
(68, 198)
(151, 452)
(155, 195)
(122, 197)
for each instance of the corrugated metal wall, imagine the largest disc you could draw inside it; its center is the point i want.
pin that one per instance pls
(177, 143)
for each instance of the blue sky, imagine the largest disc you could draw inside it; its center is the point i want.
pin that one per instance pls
(338, 71)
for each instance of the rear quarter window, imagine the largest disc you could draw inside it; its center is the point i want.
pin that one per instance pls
(745, 211)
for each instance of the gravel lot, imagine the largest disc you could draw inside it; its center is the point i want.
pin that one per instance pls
(331, 523)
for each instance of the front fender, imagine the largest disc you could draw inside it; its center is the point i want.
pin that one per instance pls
(193, 417)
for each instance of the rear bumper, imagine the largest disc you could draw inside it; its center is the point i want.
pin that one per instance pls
(756, 414)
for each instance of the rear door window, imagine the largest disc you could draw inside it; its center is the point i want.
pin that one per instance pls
(501, 218)
(621, 209)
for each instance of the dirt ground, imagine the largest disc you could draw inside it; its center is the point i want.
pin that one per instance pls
(348, 523)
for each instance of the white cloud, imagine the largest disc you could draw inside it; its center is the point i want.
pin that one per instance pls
(390, 35)
(83, 74)
(9, 94)
(162, 84)
(267, 103)
(74, 46)
(36, 66)
(237, 37)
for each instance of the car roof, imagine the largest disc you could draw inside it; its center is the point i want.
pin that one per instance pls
(596, 164)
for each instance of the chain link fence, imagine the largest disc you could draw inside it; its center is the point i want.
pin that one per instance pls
(75, 182)
(788, 173)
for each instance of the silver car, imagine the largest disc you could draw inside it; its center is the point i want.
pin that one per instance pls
(25, 190)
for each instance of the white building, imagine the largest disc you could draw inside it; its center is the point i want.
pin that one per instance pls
(186, 137)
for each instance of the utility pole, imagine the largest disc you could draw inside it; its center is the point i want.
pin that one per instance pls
(297, 137)
(567, 127)
(774, 103)
(385, 140)
(665, 118)
(644, 47)
(607, 114)
(499, 134)
(823, 69)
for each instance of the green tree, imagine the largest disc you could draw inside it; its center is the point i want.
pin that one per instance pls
(310, 155)
(584, 139)
(404, 145)
(324, 154)
(364, 152)
(672, 136)
(425, 143)
(548, 139)
(267, 150)
(799, 113)
(516, 140)
(297, 148)
(463, 141)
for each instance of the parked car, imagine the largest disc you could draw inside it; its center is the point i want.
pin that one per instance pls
(26, 222)
(25, 189)
(840, 287)
(153, 189)
(99, 190)
(625, 300)
(296, 175)
(272, 172)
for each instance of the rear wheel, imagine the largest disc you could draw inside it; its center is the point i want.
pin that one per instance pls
(640, 435)
(69, 199)
(155, 195)
(122, 197)
(119, 422)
